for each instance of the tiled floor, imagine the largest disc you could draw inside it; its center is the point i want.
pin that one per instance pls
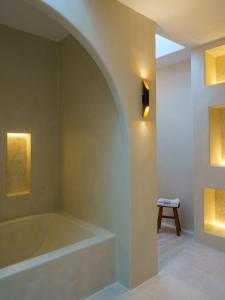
(188, 271)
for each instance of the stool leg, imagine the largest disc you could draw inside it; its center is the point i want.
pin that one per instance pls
(160, 217)
(177, 222)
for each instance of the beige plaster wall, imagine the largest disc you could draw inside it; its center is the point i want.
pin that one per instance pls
(95, 184)
(122, 43)
(29, 103)
(60, 96)
(175, 138)
(125, 52)
(204, 175)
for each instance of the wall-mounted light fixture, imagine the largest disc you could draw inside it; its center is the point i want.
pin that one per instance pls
(145, 99)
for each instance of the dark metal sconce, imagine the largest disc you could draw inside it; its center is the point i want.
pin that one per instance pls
(145, 99)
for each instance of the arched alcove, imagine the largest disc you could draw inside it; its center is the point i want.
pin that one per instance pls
(114, 210)
(121, 43)
(80, 161)
(59, 12)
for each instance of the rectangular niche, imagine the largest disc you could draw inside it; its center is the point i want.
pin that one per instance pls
(214, 211)
(18, 164)
(215, 65)
(217, 135)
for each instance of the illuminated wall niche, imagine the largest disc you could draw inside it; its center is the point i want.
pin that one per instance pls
(217, 135)
(18, 164)
(215, 65)
(214, 210)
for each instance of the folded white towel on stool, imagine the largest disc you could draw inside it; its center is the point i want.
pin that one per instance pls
(168, 202)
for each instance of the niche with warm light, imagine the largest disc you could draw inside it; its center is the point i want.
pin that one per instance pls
(215, 65)
(18, 164)
(217, 135)
(214, 210)
(145, 99)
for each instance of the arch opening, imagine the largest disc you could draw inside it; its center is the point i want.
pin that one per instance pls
(85, 170)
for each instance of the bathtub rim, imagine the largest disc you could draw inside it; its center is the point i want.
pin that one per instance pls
(100, 235)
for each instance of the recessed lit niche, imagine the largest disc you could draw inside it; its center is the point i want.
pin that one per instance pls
(18, 164)
(214, 210)
(215, 65)
(217, 135)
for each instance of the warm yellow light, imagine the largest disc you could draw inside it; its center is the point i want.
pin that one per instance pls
(214, 62)
(219, 224)
(146, 84)
(222, 162)
(18, 164)
(18, 135)
(146, 111)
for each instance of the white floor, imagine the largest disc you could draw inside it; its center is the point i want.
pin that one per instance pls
(188, 271)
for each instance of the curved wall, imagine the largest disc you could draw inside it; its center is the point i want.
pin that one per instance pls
(122, 43)
(95, 184)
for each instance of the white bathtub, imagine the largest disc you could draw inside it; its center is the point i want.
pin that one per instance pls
(54, 256)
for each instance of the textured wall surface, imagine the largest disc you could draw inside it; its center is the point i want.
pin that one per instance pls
(220, 205)
(205, 175)
(29, 103)
(18, 164)
(175, 138)
(94, 156)
(125, 53)
(223, 133)
(217, 135)
(220, 68)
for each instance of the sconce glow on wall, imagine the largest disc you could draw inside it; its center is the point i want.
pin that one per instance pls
(18, 164)
(145, 99)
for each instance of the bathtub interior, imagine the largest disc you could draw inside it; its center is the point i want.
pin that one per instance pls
(33, 236)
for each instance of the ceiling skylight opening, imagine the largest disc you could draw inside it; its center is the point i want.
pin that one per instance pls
(165, 46)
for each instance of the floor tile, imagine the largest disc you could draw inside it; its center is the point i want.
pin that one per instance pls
(188, 271)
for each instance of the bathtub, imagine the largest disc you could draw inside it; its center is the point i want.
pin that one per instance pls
(54, 256)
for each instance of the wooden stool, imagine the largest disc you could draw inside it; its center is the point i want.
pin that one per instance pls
(174, 217)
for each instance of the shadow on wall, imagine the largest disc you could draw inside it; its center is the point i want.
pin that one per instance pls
(79, 156)
(114, 46)
(95, 163)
